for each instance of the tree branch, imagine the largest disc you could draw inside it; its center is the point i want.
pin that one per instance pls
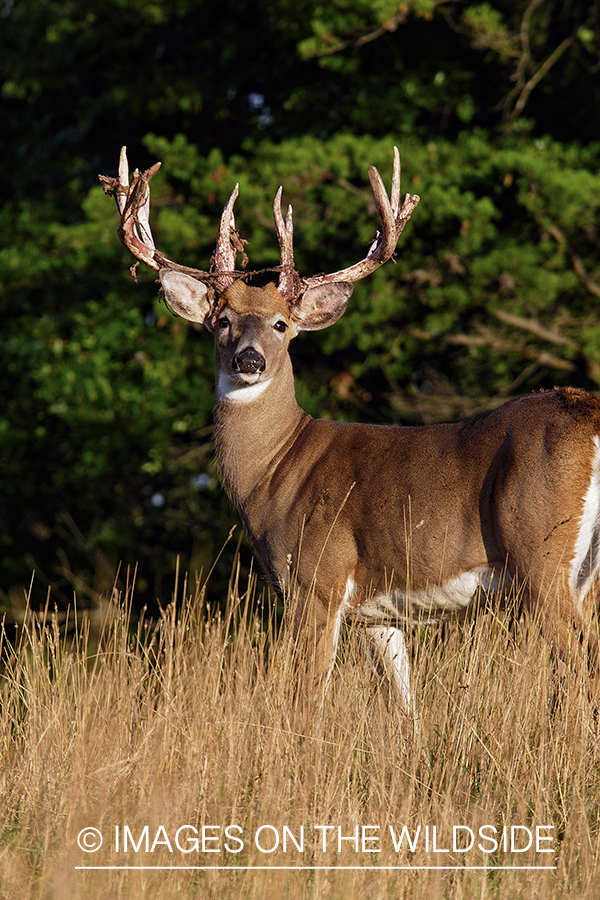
(542, 70)
(578, 266)
(534, 327)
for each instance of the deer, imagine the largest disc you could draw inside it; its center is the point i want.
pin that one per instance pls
(377, 524)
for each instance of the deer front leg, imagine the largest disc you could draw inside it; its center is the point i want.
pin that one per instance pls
(317, 627)
(391, 663)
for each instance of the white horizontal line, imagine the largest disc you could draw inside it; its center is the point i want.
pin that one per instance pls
(312, 868)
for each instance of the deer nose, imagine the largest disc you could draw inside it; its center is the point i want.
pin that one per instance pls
(249, 361)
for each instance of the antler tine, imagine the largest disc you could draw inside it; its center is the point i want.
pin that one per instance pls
(385, 244)
(393, 219)
(121, 196)
(143, 216)
(224, 258)
(395, 193)
(284, 229)
(288, 278)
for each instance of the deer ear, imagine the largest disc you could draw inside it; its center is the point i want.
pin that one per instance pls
(186, 296)
(323, 305)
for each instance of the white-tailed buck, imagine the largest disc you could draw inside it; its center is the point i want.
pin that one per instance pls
(377, 523)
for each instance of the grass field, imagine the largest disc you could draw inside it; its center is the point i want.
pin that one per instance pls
(190, 722)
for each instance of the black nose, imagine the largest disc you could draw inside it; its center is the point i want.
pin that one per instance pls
(248, 361)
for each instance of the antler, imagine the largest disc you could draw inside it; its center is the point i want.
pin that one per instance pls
(393, 219)
(133, 203)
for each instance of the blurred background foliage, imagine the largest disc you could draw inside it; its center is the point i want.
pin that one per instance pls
(106, 398)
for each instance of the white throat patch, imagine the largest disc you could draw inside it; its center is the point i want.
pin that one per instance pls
(228, 389)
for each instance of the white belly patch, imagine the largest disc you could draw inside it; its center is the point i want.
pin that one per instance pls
(429, 603)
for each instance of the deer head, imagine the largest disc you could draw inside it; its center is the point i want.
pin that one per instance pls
(220, 298)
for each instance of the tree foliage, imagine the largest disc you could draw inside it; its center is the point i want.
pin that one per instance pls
(105, 415)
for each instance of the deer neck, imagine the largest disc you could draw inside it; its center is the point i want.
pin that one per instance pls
(252, 426)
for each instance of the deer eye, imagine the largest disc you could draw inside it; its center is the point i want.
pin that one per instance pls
(223, 322)
(280, 326)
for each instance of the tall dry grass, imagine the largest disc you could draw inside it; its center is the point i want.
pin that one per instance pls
(190, 722)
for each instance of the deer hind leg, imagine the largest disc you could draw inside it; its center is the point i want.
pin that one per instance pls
(585, 601)
(561, 580)
(574, 647)
(564, 606)
(584, 575)
(390, 661)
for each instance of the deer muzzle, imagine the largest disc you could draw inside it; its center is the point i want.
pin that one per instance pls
(249, 362)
